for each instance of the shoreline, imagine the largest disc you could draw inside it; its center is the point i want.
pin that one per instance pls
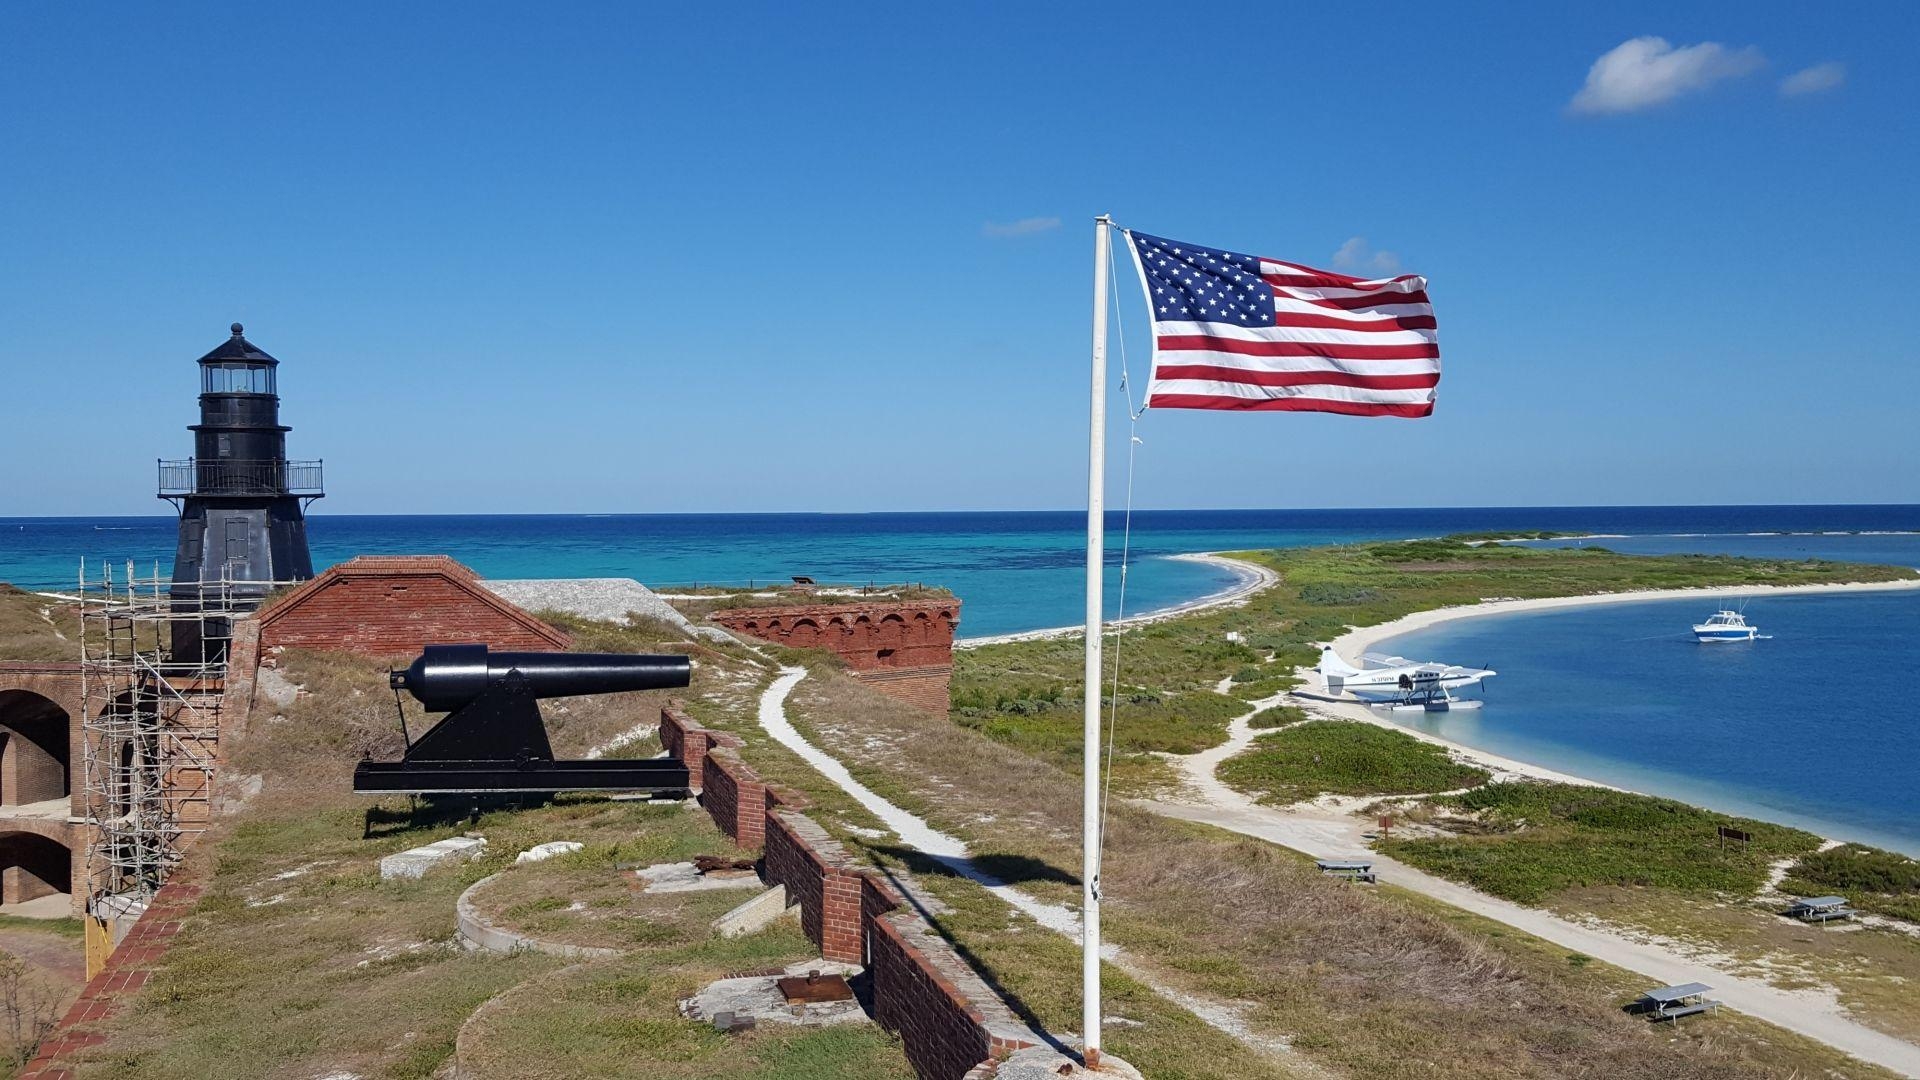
(1357, 639)
(1362, 638)
(1251, 579)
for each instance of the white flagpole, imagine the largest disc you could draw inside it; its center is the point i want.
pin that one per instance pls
(1096, 554)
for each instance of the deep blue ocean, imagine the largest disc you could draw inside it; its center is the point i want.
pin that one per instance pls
(1812, 727)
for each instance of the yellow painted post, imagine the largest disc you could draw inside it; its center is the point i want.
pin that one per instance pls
(99, 940)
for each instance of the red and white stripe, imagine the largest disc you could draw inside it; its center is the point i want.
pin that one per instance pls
(1337, 344)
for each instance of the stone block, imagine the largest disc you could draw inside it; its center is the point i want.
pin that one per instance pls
(756, 914)
(415, 862)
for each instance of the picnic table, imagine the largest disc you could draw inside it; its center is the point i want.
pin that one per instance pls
(1674, 1002)
(1351, 869)
(1820, 909)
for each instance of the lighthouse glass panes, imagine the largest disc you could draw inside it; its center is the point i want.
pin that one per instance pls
(237, 379)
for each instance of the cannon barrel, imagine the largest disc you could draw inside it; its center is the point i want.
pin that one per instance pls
(447, 677)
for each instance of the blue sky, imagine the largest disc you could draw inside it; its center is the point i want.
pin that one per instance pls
(630, 259)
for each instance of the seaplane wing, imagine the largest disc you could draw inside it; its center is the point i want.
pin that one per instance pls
(1394, 678)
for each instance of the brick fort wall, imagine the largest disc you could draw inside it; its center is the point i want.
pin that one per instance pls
(391, 605)
(902, 648)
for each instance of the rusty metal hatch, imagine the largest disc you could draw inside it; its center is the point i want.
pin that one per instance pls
(814, 988)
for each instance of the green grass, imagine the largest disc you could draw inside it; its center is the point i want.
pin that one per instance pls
(1530, 841)
(1341, 757)
(1277, 716)
(1872, 880)
(66, 927)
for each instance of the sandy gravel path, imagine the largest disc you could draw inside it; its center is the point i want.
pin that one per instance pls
(1329, 833)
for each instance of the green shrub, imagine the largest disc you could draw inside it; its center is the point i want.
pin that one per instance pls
(1342, 757)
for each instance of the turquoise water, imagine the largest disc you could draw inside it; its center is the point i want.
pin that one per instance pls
(1814, 727)
(1013, 571)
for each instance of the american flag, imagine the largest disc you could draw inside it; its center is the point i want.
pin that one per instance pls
(1234, 331)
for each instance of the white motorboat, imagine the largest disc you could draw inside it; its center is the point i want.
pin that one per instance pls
(1725, 626)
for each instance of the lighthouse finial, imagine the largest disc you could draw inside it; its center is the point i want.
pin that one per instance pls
(238, 329)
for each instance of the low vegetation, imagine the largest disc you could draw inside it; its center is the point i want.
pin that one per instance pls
(37, 628)
(1873, 880)
(1528, 841)
(1342, 757)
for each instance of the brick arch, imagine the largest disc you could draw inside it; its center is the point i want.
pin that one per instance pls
(35, 686)
(35, 860)
(36, 748)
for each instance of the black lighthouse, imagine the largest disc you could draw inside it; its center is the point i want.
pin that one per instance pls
(242, 504)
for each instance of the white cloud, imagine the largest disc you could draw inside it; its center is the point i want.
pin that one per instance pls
(1649, 71)
(1815, 79)
(1356, 257)
(1024, 227)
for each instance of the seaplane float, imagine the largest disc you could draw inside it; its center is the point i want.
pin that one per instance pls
(1394, 682)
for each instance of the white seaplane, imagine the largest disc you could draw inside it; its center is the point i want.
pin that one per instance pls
(1399, 683)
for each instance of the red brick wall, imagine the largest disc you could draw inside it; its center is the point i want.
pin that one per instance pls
(948, 1019)
(734, 797)
(819, 878)
(926, 688)
(395, 604)
(686, 741)
(902, 648)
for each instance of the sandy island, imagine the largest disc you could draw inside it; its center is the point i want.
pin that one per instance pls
(1250, 578)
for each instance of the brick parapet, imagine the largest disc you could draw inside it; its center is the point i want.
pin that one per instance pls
(821, 879)
(387, 605)
(123, 976)
(685, 740)
(949, 1021)
(903, 648)
(735, 797)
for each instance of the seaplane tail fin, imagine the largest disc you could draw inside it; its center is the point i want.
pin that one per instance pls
(1332, 666)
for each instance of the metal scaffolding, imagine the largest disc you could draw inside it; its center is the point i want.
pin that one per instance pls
(150, 725)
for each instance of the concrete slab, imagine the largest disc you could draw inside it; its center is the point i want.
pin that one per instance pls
(1046, 1063)
(757, 913)
(543, 852)
(50, 906)
(685, 877)
(757, 997)
(415, 862)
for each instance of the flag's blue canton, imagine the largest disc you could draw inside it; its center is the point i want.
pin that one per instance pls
(1197, 284)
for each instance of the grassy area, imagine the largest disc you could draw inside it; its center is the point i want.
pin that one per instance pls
(1276, 716)
(1873, 880)
(1529, 841)
(1363, 982)
(380, 989)
(1341, 757)
(35, 627)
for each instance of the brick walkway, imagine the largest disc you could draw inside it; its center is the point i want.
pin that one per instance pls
(114, 988)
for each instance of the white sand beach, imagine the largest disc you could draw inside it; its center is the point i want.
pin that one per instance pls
(1251, 579)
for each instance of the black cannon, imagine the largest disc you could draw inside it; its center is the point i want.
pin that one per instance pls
(493, 739)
